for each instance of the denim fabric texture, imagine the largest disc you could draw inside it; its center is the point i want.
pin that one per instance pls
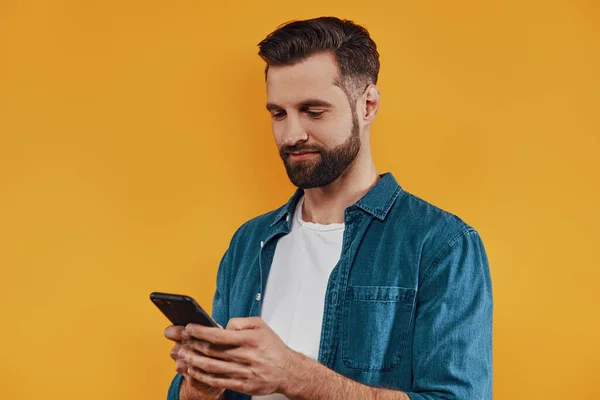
(408, 306)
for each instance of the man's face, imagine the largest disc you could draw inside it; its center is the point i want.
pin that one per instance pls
(315, 128)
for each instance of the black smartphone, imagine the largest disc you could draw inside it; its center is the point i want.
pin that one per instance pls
(181, 310)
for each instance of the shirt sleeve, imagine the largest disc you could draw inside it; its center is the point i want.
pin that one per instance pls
(452, 344)
(220, 313)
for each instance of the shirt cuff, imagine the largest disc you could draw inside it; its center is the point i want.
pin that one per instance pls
(173, 393)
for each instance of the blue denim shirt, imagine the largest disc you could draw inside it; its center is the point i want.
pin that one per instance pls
(407, 307)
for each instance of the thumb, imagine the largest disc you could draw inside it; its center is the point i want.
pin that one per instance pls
(238, 324)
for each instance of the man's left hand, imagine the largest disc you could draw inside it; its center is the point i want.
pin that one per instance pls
(246, 357)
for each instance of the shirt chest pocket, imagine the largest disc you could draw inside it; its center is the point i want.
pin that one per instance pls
(375, 326)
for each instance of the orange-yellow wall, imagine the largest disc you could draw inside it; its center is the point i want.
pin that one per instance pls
(134, 141)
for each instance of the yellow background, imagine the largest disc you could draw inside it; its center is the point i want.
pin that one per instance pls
(134, 141)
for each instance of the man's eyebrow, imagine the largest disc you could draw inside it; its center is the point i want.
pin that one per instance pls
(273, 107)
(315, 103)
(303, 105)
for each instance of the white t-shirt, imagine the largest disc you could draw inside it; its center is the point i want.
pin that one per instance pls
(294, 296)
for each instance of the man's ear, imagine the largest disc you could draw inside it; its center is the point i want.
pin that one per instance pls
(370, 103)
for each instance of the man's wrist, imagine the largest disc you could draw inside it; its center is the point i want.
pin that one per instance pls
(294, 383)
(310, 379)
(187, 392)
(306, 376)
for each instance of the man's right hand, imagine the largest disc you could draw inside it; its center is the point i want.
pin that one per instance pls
(191, 389)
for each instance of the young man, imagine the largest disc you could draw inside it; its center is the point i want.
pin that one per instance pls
(355, 289)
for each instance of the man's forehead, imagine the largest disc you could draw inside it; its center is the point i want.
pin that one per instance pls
(313, 77)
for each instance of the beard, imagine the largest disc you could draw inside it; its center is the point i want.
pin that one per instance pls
(328, 165)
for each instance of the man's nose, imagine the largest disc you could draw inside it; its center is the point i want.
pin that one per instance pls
(294, 131)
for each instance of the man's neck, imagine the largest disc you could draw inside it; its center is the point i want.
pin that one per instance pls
(326, 205)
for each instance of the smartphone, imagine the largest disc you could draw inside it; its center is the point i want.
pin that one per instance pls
(181, 310)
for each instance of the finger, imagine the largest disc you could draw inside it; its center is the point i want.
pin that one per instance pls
(227, 353)
(181, 366)
(211, 365)
(176, 333)
(238, 324)
(175, 351)
(216, 335)
(203, 345)
(218, 381)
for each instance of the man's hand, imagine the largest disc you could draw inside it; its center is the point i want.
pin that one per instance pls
(246, 357)
(249, 357)
(191, 388)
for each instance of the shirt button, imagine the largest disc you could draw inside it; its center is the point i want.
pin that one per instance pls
(262, 244)
(287, 218)
(257, 296)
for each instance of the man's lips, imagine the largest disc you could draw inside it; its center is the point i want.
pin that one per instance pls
(301, 155)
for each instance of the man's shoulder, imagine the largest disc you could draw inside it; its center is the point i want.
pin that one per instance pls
(415, 208)
(429, 224)
(440, 235)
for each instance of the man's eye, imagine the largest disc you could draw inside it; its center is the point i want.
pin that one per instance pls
(315, 114)
(278, 115)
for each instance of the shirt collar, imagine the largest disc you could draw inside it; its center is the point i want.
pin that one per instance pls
(377, 201)
(288, 210)
(381, 197)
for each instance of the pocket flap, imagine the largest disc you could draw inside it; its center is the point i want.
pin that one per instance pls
(381, 293)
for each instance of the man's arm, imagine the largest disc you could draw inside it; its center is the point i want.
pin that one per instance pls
(452, 343)
(314, 381)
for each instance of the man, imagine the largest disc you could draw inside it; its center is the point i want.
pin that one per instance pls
(355, 289)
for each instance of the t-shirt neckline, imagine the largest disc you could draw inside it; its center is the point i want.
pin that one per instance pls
(311, 225)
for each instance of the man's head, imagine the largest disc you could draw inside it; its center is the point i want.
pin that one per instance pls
(320, 77)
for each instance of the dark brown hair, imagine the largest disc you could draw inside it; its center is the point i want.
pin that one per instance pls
(355, 51)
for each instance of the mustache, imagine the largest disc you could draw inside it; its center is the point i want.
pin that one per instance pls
(286, 149)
